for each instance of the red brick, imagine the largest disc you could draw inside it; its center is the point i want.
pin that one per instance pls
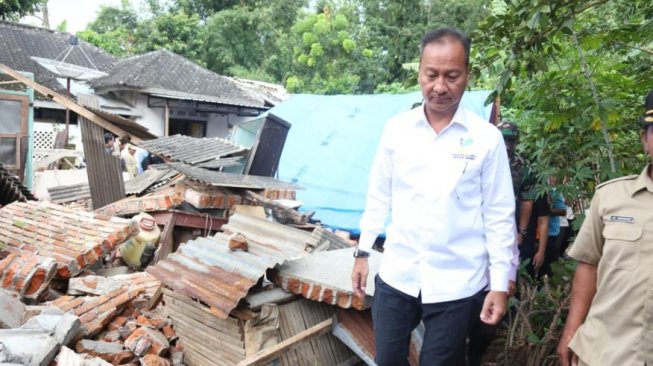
(152, 360)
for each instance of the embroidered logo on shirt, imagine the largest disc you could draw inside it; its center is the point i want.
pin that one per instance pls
(627, 219)
(463, 152)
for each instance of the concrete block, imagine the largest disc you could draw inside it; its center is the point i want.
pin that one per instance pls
(11, 309)
(62, 326)
(68, 357)
(115, 353)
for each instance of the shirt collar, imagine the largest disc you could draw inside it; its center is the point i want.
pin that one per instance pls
(460, 117)
(643, 181)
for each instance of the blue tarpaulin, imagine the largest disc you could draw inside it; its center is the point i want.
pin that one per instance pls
(331, 145)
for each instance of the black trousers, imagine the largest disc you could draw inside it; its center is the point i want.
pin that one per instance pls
(395, 315)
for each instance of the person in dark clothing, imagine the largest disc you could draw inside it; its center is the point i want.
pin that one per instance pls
(150, 159)
(537, 234)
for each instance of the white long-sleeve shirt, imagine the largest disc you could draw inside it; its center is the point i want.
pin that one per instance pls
(452, 207)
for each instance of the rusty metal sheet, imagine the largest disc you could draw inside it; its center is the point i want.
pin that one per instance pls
(355, 329)
(221, 179)
(74, 238)
(206, 269)
(326, 277)
(191, 150)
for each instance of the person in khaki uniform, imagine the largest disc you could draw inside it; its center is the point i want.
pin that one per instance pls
(610, 319)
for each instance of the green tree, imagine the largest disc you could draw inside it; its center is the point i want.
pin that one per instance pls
(329, 56)
(15, 9)
(250, 41)
(120, 32)
(574, 75)
(114, 30)
(176, 32)
(396, 26)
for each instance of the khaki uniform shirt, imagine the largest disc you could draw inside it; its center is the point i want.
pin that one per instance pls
(617, 237)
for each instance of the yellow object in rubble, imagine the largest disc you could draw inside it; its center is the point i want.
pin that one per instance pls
(149, 233)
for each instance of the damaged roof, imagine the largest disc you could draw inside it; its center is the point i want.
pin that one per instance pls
(19, 42)
(75, 238)
(207, 270)
(191, 150)
(165, 73)
(222, 179)
(11, 188)
(326, 277)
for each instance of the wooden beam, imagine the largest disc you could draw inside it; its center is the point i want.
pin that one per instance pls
(166, 242)
(283, 214)
(269, 354)
(66, 102)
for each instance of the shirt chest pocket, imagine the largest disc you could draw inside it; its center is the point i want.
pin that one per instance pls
(621, 246)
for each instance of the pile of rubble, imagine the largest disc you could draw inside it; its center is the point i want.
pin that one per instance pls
(229, 283)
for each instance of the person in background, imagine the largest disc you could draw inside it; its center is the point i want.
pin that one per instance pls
(109, 140)
(442, 172)
(558, 210)
(128, 156)
(482, 334)
(610, 320)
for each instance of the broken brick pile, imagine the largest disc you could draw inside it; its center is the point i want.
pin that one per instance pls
(95, 312)
(75, 239)
(136, 336)
(27, 273)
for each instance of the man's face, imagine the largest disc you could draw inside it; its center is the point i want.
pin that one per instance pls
(443, 76)
(647, 140)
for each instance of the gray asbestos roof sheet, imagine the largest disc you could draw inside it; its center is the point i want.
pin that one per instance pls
(221, 179)
(191, 150)
(166, 71)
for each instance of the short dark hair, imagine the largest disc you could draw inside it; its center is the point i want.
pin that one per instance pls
(108, 136)
(125, 139)
(440, 34)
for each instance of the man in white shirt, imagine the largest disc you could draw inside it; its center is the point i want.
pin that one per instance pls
(443, 174)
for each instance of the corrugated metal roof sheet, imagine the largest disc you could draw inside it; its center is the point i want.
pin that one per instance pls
(74, 238)
(354, 328)
(206, 269)
(191, 150)
(222, 179)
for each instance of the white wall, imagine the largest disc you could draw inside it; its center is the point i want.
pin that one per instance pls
(219, 124)
(74, 133)
(151, 118)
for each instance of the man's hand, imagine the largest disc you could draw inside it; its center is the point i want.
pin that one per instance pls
(494, 307)
(512, 287)
(359, 276)
(566, 356)
(538, 260)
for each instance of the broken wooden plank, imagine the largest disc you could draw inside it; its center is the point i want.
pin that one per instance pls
(271, 353)
(284, 214)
